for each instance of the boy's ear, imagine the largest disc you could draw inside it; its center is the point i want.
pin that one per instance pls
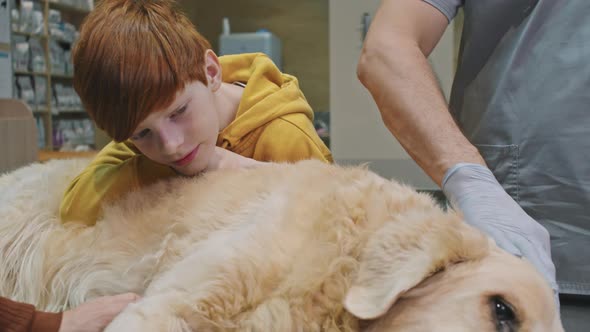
(212, 70)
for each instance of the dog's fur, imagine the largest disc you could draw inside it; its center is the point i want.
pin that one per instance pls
(282, 247)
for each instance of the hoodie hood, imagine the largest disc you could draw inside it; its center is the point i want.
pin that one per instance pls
(268, 95)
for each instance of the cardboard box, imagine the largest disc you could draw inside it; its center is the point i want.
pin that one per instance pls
(18, 135)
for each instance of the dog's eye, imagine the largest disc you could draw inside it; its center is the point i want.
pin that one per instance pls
(503, 314)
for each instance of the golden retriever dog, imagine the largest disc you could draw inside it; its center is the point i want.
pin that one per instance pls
(282, 247)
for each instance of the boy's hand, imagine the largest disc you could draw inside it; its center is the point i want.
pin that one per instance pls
(225, 159)
(95, 315)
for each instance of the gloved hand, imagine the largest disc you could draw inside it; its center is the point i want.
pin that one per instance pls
(474, 190)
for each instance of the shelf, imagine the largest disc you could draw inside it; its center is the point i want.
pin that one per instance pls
(28, 34)
(40, 110)
(29, 73)
(66, 7)
(62, 76)
(60, 40)
(70, 110)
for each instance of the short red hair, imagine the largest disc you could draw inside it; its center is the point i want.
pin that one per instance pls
(132, 57)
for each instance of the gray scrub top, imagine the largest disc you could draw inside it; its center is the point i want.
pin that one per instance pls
(522, 95)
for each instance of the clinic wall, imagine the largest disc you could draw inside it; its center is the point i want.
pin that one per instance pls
(301, 25)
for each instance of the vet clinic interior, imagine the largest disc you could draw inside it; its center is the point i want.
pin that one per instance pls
(317, 41)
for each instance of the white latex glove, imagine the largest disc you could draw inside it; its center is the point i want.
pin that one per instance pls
(473, 189)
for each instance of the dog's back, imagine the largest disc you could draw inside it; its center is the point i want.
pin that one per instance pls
(284, 230)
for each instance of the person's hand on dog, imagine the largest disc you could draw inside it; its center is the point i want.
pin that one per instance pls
(473, 189)
(95, 315)
(225, 159)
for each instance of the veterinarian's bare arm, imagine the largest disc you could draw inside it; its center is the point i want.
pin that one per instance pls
(394, 68)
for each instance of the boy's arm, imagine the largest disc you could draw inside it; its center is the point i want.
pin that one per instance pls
(291, 138)
(225, 159)
(117, 170)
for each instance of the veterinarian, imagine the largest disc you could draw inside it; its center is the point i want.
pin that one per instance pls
(92, 316)
(512, 147)
(172, 107)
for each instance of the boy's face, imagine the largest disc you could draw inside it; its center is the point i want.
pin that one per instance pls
(184, 134)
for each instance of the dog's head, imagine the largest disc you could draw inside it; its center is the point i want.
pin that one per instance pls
(432, 272)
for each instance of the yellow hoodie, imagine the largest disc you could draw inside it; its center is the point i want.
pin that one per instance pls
(273, 123)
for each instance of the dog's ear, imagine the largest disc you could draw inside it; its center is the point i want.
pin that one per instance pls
(405, 251)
